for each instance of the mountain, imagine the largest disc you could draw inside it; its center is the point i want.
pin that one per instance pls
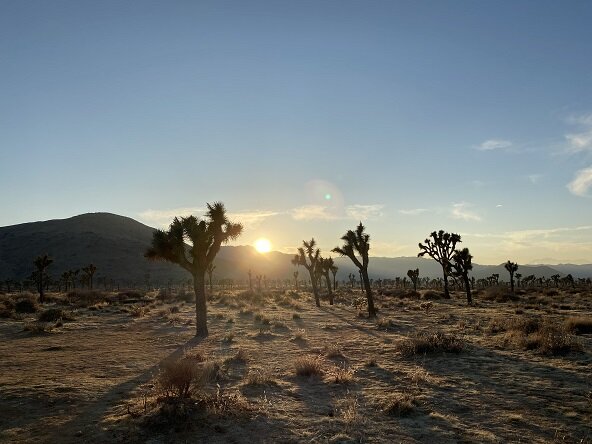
(116, 245)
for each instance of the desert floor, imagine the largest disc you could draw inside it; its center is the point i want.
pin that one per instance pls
(95, 379)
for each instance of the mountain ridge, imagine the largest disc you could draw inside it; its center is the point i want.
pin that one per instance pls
(116, 245)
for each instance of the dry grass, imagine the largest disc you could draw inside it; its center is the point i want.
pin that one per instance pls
(55, 314)
(342, 375)
(579, 325)
(399, 404)
(309, 366)
(259, 378)
(430, 342)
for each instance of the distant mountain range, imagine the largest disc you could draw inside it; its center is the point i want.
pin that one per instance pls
(116, 245)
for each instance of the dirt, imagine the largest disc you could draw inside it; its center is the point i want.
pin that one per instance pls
(93, 380)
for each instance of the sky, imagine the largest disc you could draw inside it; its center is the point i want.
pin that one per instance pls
(305, 118)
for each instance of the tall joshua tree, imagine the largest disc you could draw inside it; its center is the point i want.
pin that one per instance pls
(309, 256)
(90, 271)
(414, 276)
(325, 266)
(41, 263)
(462, 264)
(512, 268)
(206, 237)
(357, 243)
(441, 248)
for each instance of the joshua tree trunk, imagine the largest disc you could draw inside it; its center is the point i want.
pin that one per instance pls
(512, 282)
(446, 292)
(329, 288)
(41, 288)
(201, 311)
(315, 290)
(366, 283)
(468, 288)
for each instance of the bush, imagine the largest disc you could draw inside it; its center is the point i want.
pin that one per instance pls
(399, 405)
(431, 295)
(579, 325)
(86, 298)
(177, 378)
(430, 342)
(308, 366)
(498, 294)
(535, 334)
(26, 304)
(54, 314)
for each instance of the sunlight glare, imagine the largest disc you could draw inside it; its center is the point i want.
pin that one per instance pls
(263, 245)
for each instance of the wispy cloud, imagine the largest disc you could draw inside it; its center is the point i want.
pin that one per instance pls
(581, 140)
(322, 212)
(363, 212)
(581, 182)
(493, 144)
(314, 212)
(414, 211)
(163, 218)
(461, 211)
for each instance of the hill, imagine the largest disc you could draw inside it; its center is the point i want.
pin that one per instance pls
(116, 245)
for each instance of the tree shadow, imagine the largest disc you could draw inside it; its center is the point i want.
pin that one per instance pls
(91, 415)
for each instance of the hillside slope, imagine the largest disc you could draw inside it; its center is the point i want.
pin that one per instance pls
(116, 245)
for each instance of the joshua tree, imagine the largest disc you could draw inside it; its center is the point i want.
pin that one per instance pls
(296, 279)
(352, 279)
(555, 279)
(41, 263)
(210, 270)
(258, 278)
(334, 269)
(462, 264)
(325, 266)
(65, 278)
(414, 276)
(308, 256)
(518, 277)
(512, 268)
(250, 273)
(441, 248)
(90, 271)
(358, 243)
(206, 237)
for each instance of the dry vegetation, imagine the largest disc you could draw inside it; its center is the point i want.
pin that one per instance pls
(125, 367)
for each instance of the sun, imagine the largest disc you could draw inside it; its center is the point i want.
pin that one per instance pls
(263, 245)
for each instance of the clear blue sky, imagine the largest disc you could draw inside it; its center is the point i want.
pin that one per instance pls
(471, 116)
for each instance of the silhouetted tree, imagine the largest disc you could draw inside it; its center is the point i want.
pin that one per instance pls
(555, 279)
(414, 276)
(358, 243)
(206, 237)
(462, 264)
(250, 273)
(210, 270)
(441, 248)
(296, 279)
(334, 269)
(325, 266)
(41, 263)
(512, 268)
(518, 279)
(308, 256)
(90, 271)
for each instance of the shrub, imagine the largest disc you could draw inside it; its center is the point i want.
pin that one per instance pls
(432, 295)
(579, 325)
(308, 366)
(399, 404)
(430, 342)
(54, 314)
(342, 375)
(26, 304)
(536, 334)
(37, 327)
(258, 378)
(177, 377)
(498, 294)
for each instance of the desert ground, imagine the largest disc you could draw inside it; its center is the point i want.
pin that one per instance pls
(106, 367)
